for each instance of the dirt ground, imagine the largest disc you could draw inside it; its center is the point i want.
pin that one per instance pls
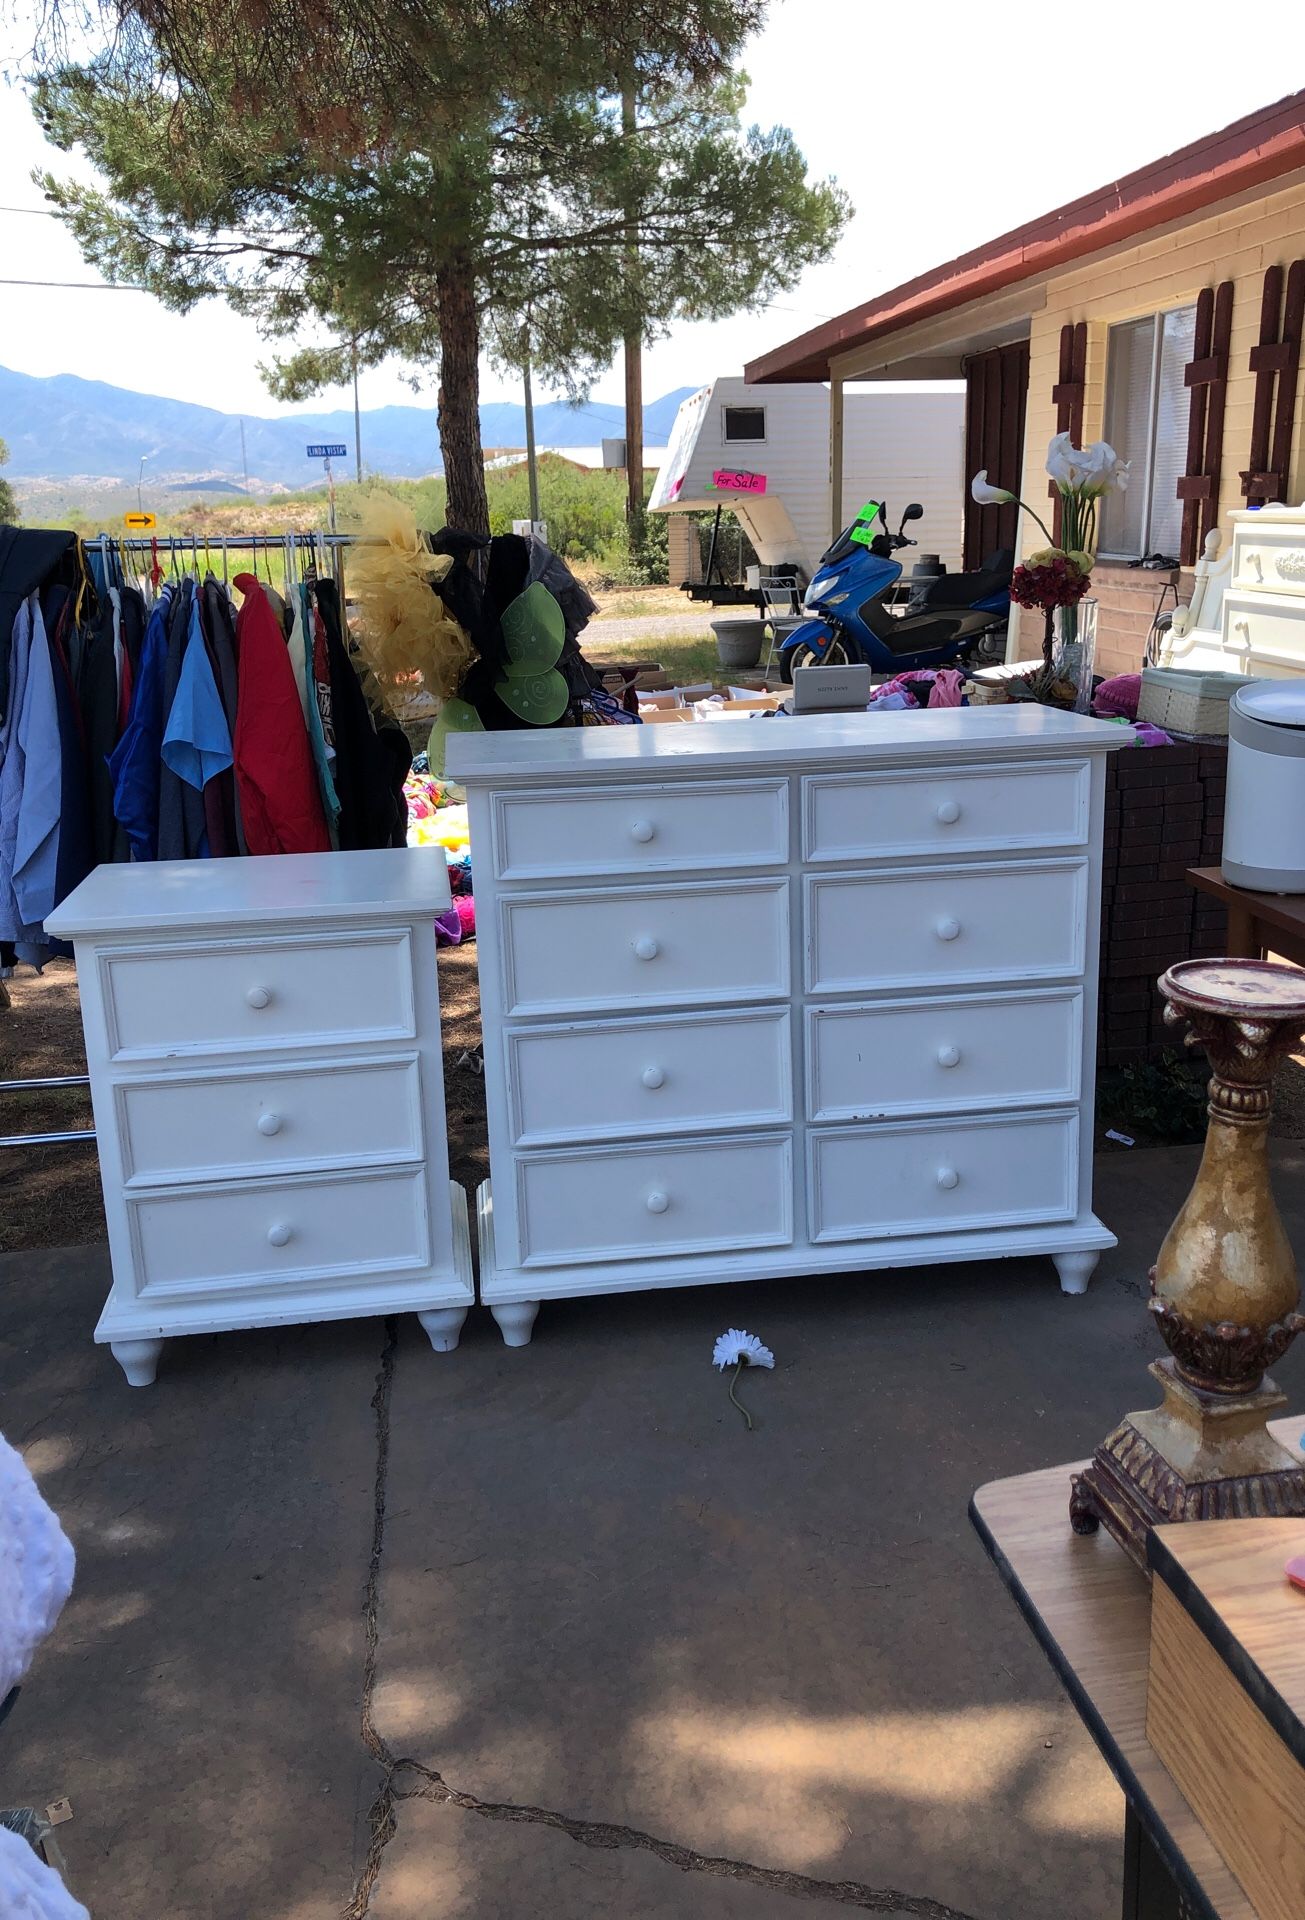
(51, 1195)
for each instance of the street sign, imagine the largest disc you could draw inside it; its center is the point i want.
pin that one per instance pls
(332, 452)
(143, 522)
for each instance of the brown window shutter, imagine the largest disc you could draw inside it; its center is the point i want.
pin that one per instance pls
(996, 389)
(1068, 395)
(1207, 376)
(1275, 362)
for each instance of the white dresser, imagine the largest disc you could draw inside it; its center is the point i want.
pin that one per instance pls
(1264, 601)
(788, 996)
(263, 1038)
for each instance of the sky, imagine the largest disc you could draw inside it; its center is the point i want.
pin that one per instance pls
(947, 122)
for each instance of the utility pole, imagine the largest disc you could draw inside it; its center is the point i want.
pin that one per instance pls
(357, 417)
(532, 464)
(633, 374)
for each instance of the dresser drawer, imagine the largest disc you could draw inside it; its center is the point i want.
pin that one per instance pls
(850, 816)
(931, 1177)
(899, 1057)
(689, 1196)
(676, 1074)
(918, 927)
(252, 995)
(268, 1233)
(1264, 629)
(1269, 557)
(721, 941)
(267, 1120)
(647, 828)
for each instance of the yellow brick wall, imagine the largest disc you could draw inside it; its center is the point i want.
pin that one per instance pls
(1167, 270)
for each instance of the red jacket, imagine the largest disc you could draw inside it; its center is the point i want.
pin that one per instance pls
(280, 801)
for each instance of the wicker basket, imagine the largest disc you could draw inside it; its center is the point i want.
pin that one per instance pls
(1187, 701)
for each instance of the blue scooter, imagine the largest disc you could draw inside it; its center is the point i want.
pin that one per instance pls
(852, 622)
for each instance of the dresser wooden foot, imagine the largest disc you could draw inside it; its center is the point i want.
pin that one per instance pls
(139, 1360)
(515, 1319)
(443, 1325)
(1075, 1269)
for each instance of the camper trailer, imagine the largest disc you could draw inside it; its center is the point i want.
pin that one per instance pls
(763, 454)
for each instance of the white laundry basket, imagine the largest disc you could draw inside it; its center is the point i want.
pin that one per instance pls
(1264, 814)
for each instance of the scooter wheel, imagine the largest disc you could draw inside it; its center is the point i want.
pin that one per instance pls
(835, 654)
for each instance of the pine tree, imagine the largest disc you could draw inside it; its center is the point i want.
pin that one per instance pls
(8, 504)
(427, 246)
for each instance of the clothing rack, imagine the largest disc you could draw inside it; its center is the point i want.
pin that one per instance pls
(293, 546)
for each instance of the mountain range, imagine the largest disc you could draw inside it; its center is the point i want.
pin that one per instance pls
(63, 427)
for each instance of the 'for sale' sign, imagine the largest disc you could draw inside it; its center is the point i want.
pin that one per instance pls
(738, 480)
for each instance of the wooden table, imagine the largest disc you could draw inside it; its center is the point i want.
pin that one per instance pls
(1090, 1610)
(1258, 923)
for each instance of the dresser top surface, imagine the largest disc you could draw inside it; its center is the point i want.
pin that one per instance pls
(757, 743)
(389, 882)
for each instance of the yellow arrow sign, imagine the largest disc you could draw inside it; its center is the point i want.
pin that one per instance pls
(142, 520)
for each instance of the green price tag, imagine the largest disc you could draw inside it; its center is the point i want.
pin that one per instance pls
(864, 530)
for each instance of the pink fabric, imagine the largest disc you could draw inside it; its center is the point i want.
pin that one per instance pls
(1118, 698)
(947, 688)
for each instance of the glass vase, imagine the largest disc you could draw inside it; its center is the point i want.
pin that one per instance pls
(1074, 649)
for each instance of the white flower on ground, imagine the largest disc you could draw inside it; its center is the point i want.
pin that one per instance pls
(736, 1346)
(982, 490)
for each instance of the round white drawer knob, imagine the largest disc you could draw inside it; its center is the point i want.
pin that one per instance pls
(646, 947)
(658, 1202)
(280, 1235)
(258, 997)
(949, 1056)
(268, 1124)
(653, 1077)
(948, 1178)
(948, 812)
(948, 928)
(643, 831)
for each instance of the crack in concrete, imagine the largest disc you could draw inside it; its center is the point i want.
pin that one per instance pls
(607, 1837)
(600, 1834)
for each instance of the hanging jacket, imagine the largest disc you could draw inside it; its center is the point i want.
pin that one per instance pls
(136, 760)
(97, 692)
(275, 778)
(183, 829)
(364, 771)
(29, 788)
(220, 638)
(76, 855)
(196, 737)
(309, 623)
(29, 556)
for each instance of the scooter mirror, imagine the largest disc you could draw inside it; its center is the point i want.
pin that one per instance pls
(914, 512)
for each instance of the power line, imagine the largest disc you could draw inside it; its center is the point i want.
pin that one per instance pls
(44, 213)
(86, 286)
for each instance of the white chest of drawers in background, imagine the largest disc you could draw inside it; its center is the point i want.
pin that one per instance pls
(263, 1038)
(775, 997)
(1264, 602)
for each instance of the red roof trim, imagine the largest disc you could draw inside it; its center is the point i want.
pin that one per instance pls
(1260, 148)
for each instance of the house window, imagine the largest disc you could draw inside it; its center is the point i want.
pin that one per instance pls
(745, 423)
(1146, 424)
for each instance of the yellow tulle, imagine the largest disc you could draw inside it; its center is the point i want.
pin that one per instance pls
(404, 628)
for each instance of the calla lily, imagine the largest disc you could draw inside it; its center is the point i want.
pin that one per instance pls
(986, 494)
(1090, 470)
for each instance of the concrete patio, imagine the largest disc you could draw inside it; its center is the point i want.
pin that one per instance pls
(360, 1629)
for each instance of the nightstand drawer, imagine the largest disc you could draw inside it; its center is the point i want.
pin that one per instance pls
(868, 816)
(254, 995)
(628, 830)
(346, 1113)
(689, 1196)
(276, 1234)
(927, 1177)
(888, 1058)
(720, 941)
(665, 1074)
(936, 926)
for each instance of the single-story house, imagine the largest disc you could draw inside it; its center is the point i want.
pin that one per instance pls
(1163, 313)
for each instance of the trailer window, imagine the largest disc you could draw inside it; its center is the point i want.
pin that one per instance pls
(745, 423)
